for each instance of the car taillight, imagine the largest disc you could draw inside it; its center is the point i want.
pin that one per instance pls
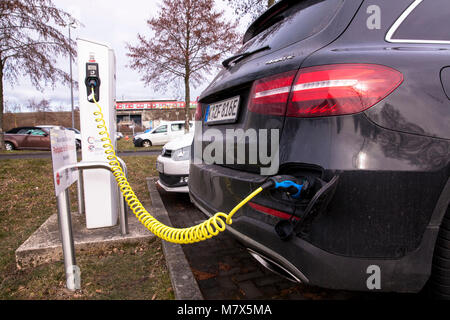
(327, 90)
(272, 212)
(270, 95)
(340, 89)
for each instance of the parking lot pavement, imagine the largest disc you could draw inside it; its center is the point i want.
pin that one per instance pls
(225, 270)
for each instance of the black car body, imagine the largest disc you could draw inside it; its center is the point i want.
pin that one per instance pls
(387, 141)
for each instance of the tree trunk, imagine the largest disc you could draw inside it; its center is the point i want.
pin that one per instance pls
(2, 141)
(187, 100)
(270, 3)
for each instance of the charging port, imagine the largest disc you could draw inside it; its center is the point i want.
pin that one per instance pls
(318, 203)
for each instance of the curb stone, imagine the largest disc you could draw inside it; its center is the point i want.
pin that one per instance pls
(184, 285)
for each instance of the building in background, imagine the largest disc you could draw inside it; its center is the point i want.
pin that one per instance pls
(150, 113)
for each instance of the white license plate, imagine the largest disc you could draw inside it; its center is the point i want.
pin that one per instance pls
(223, 112)
(160, 166)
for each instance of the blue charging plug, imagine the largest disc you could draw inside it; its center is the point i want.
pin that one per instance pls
(287, 183)
(291, 187)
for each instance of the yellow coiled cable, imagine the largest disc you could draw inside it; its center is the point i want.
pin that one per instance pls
(203, 231)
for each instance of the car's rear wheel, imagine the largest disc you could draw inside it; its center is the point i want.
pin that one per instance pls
(9, 146)
(440, 273)
(146, 143)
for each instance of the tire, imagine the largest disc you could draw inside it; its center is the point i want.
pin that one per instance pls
(440, 272)
(146, 143)
(9, 146)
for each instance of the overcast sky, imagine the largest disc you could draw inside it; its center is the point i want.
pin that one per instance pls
(113, 22)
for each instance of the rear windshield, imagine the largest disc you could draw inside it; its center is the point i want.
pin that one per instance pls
(429, 21)
(299, 21)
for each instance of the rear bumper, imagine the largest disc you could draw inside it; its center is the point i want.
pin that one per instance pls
(175, 168)
(174, 176)
(314, 266)
(386, 210)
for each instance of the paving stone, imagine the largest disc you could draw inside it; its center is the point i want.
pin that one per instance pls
(250, 290)
(230, 272)
(213, 294)
(268, 280)
(208, 283)
(226, 283)
(296, 296)
(269, 291)
(286, 284)
(248, 276)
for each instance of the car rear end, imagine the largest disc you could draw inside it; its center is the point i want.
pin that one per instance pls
(352, 100)
(173, 165)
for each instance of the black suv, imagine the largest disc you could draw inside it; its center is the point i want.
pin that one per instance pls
(359, 92)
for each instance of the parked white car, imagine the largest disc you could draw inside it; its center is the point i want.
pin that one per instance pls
(165, 132)
(173, 164)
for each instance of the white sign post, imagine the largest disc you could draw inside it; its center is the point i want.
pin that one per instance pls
(64, 154)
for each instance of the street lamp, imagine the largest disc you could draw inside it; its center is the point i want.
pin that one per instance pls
(71, 82)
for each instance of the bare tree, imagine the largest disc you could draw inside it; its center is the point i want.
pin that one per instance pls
(190, 38)
(44, 106)
(41, 106)
(61, 108)
(30, 43)
(7, 106)
(12, 109)
(32, 105)
(250, 7)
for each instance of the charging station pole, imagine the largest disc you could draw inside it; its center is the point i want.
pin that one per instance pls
(96, 69)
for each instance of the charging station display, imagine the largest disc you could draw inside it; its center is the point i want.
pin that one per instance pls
(92, 82)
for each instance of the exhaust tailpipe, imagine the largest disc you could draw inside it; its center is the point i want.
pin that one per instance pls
(273, 266)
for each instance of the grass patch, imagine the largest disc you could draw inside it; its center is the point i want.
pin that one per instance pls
(139, 168)
(124, 145)
(23, 151)
(125, 272)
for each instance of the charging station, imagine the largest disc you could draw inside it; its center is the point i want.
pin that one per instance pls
(97, 70)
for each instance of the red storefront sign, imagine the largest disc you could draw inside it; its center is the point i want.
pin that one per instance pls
(142, 105)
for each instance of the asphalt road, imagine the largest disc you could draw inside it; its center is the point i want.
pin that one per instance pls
(44, 155)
